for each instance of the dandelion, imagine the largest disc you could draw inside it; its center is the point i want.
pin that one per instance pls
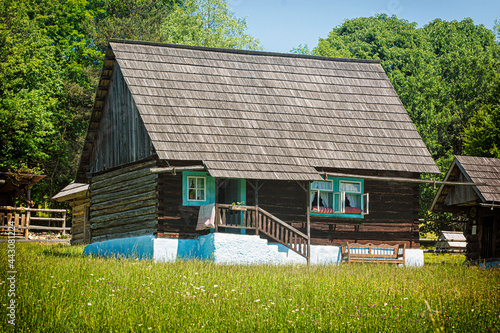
(89, 304)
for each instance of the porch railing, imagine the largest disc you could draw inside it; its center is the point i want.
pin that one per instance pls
(256, 218)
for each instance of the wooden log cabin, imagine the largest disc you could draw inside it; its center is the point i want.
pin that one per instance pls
(299, 150)
(477, 205)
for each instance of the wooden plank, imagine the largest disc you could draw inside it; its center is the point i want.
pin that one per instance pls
(124, 228)
(23, 223)
(125, 207)
(10, 208)
(54, 219)
(124, 214)
(123, 188)
(123, 221)
(120, 178)
(37, 227)
(149, 231)
(122, 201)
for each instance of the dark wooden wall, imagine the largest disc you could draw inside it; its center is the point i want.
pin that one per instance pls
(393, 214)
(475, 242)
(174, 219)
(122, 137)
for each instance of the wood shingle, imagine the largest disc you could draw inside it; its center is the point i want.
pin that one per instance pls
(258, 115)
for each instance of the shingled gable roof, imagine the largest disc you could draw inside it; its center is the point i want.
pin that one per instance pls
(474, 169)
(260, 115)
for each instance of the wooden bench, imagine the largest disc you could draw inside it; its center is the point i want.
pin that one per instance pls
(389, 254)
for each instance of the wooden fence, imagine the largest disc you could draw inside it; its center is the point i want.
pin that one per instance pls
(20, 220)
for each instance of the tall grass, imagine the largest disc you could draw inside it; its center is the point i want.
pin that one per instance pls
(60, 290)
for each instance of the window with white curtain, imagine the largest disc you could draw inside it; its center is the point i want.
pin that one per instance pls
(341, 197)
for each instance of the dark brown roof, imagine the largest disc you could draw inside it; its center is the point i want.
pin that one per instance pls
(260, 115)
(482, 170)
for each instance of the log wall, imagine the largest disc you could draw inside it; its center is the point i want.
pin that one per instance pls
(393, 216)
(122, 137)
(123, 202)
(80, 228)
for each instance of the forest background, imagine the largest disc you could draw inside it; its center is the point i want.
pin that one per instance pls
(447, 74)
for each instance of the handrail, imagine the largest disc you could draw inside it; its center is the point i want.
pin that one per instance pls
(27, 209)
(286, 225)
(256, 218)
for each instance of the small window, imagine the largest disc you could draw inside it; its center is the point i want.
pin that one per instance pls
(197, 189)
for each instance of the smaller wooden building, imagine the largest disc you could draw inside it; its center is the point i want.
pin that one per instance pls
(480, 204)
(76, 194)
(451, 241)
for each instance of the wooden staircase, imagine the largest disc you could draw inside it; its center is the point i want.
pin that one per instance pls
(264, 223)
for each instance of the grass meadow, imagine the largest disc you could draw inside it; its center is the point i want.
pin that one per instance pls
(59, 290)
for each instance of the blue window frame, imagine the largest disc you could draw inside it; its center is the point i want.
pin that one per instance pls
(338, 197)
(198, 188)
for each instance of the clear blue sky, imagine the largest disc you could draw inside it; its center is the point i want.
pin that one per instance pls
(281, 25)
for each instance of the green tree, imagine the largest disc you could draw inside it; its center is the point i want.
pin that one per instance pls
(30, 86)
(51, 53)
(207, 23)
(482, 134)
(442, 72)
(126, 19)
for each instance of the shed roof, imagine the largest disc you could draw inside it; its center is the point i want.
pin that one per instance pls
(260, 115)
(71, 191)
(452, 236)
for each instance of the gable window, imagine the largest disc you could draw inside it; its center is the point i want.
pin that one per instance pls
(198, 188)
(338, 197)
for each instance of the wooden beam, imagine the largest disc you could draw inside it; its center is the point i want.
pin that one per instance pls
(402, 180)
(491, 205)
(174, 169)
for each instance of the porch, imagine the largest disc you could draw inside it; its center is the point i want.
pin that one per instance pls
(262, 223)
